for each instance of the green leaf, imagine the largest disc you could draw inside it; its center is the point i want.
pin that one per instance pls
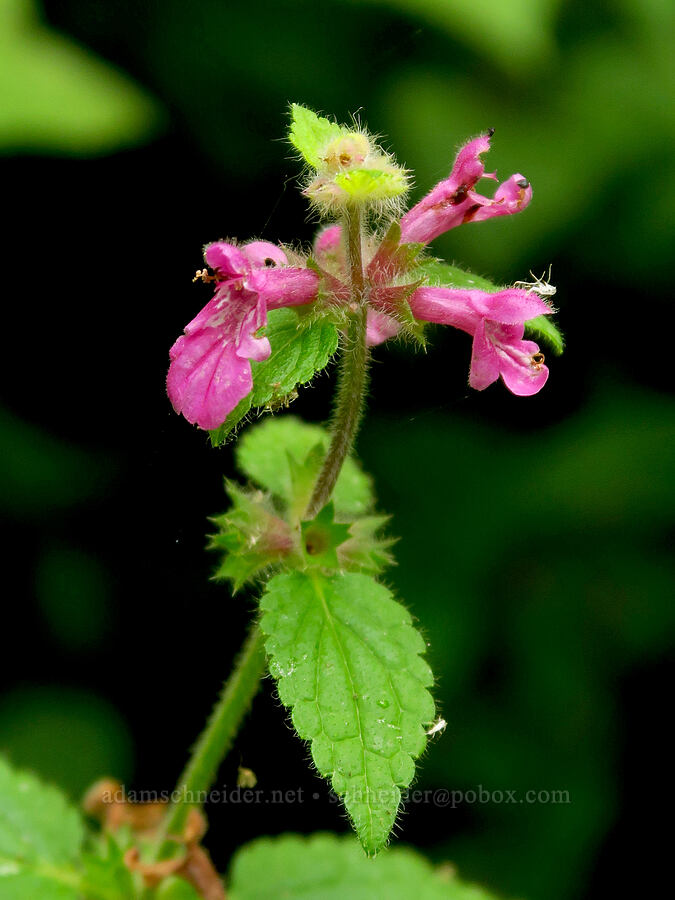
(328, 867)
(322, 536)
(442, 274)
(300, 349)
(174, 888)
(545, 331)
(58, 96)
(310, 134)
(41, 847)
(251, 534)
(542, 328)
(372, 184)
(37, 824)
(284, 456)
(347, 661)
(219, 435)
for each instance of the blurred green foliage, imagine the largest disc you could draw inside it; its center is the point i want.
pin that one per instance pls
(70, 736)
(57, 96)
(537, 563)
(556, 576)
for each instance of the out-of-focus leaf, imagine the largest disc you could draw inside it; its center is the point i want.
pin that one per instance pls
(58, 97)
(39, 473)
(67, 735)
(517, 35)
(278, 455)
(328, 867)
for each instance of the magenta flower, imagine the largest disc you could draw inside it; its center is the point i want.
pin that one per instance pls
(496, 323)
(454, 201)
(210, 369)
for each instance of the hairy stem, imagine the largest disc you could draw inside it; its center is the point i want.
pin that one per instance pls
(216, 739)
(353, 374)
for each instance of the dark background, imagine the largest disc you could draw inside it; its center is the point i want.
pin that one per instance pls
(535, 533)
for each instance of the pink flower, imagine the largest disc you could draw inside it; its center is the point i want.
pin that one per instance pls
(210, 369)
(454, 201)
(496, 323)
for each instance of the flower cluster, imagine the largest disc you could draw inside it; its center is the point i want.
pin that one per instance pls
(210, 370)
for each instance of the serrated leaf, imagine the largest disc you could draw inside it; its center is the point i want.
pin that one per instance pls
(442, 274)
(328, 867)
(310, 134)
(219, 435)
(251, 534)
(273, 453)
(371, 184)
(543, 330)
(348, 663)
(300, 349)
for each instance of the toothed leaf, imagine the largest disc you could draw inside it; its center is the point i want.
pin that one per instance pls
(310, 134)
(300, 349)
(348, 663)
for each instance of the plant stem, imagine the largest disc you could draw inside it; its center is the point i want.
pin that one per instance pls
(240, 688)
(353, 375)
(214, 742)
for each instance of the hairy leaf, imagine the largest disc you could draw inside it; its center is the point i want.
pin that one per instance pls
(284, 456)
(310, 134)
(348, 664)
(328, 867)
(299, 350)
(442, 274)
(545, 331)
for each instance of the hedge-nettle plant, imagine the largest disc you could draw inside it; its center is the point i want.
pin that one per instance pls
(303, 531)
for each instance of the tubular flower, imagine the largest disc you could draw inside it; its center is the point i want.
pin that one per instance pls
(496, 322)
(210, 369)
(453, 201)
(210, 372)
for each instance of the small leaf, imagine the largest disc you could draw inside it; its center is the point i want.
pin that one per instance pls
(284, 456)
(441, 274)
(327, 866)
(300, 349)
(310, 134)
(321, 538)
(543, 330)
(251, 534)
(347, 661)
